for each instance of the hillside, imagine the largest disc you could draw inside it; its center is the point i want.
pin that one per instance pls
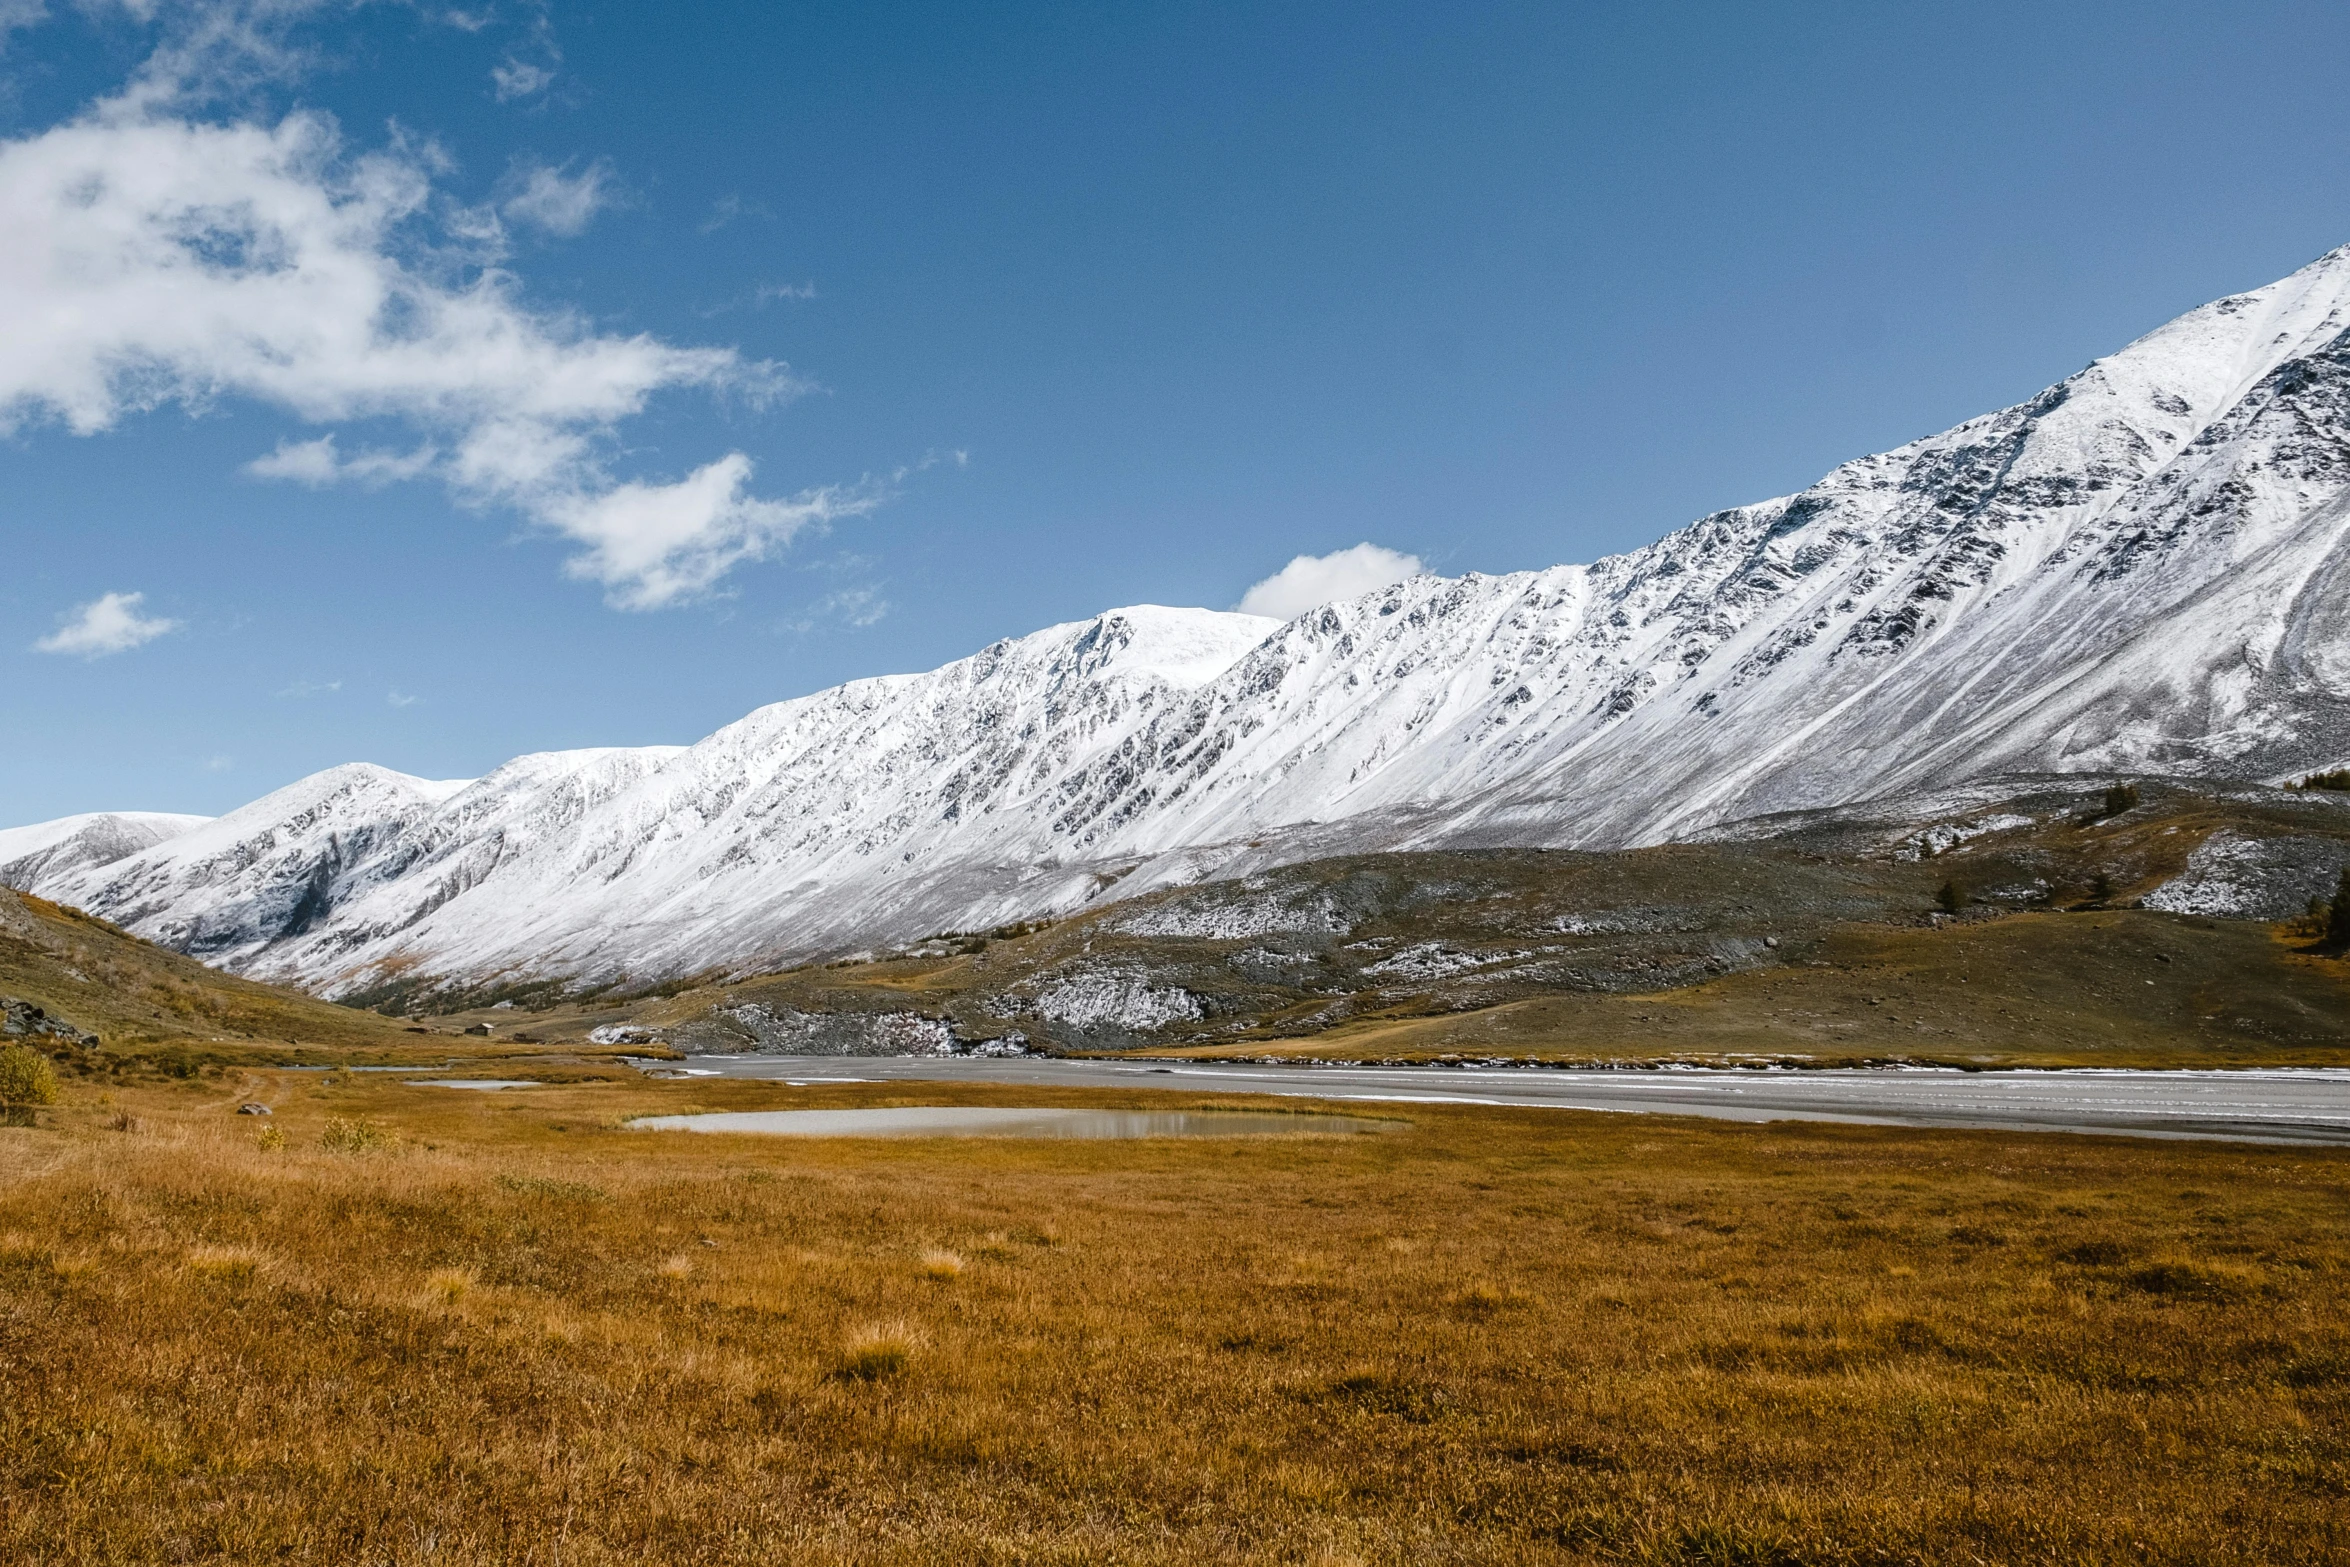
(2158, 934)
(138, 998)
(2143, 571)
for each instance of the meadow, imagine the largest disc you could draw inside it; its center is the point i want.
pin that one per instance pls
(391, 1324)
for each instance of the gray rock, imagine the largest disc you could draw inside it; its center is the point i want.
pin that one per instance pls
(24, 1020)
(253, 1109)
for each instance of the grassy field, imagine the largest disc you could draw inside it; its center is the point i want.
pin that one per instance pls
(435, 1327)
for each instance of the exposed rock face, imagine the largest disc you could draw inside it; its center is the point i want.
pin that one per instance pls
(2143, 570)
(24, 1020)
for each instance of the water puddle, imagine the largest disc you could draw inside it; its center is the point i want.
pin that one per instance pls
(989, 1121)
(470, 1082)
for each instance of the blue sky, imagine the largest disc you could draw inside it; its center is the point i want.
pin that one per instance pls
(832, 340)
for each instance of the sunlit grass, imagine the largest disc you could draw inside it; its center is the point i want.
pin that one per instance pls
(512, 1333)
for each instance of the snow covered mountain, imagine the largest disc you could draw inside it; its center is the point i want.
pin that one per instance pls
(51, 851)
(2145, 569)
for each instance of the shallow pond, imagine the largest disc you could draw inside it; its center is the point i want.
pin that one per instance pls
(990, 1121)
(469, 1082)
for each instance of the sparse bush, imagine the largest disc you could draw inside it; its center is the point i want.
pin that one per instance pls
(270, 1140)
(2100, 887)
(2338, 914)
(1951, 898)
(27, 1081)
(353, 1136)
(124, 1121)
(2338, 779)
(2121, 797)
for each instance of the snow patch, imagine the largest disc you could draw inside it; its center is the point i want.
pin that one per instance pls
(2230, 876)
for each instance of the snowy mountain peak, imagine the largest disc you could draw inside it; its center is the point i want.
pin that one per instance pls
(50, 851)
(2145, 568)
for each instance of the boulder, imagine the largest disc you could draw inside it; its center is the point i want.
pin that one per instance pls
(25, 1020)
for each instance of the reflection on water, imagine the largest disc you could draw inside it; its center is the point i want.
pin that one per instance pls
(471, 1082)
(988, 1121)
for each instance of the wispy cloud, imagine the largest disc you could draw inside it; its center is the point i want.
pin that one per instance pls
(108, 624)
(1310, 581)
(858, 607)
(309, 688)
(530, 66)
(515, 78)
(397, 698)
(729, 207)
(218, 764)
(556, 200)
(158, 256)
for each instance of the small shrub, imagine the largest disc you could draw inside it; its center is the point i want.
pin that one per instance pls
(877, 1354)
(2121, 797)
(353, 1136)
(270, 1140)
(2338, 914)
(940, 1267)
(124, 1121)
(2100, 887)
(1951, 898)
(27, 1081)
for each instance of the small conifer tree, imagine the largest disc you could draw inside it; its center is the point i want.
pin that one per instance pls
(1951, 898)
(2100, 887)
(2121, 797)
(2338, 917)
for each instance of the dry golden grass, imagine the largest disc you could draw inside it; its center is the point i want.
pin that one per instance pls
(517, 1333)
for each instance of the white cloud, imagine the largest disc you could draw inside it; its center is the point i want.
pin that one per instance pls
(109, 624)
(518, 78)
(653, 544)
(560, 203)
(318, 464)
(309, 688)
(1310, 581)
(156, 257)
(219, 764)
(397, 698)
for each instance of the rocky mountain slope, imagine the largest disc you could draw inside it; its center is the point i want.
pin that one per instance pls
(2144, 570)
(1818, 936)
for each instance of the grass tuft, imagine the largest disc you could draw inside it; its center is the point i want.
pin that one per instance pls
(229, 1264)
(447, 1286)
(940, 1267)
(878, 1353)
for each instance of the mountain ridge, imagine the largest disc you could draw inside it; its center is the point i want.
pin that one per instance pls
(2145, 568)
